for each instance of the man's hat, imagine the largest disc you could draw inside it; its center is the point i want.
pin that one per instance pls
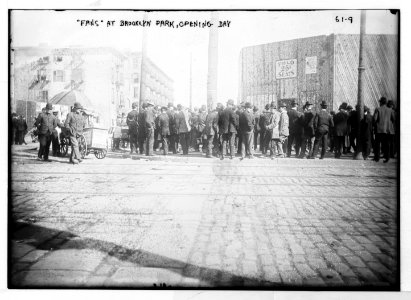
(55, 111)
(230, 102)
(248, 105)
(282, 104)
(349, 107)
(307, 103)
(49, 106)
(164, 108)
(179, 106)
(134, 105)
(273, 105)
(77, 105)
(148, 102)
(323, 104)
(294, 103)
(267, 106)
(344, 105)
(255, 108)
(170, 104)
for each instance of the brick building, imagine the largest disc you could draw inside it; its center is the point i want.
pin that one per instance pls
(319, 68)
(109, 78)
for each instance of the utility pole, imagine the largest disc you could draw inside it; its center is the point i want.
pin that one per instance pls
(143, 56)
(191, 81)
(360, 98)
(212, 61)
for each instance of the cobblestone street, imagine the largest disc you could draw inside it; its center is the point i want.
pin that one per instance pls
(194, 222)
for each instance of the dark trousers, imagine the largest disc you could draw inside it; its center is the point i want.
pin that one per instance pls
(133, 142)
(174, 143)
(353, 139)
(20, 136)
(164, 141)
(45, 141)
(338, 145)
(255, 137)
(381, 141)
(266, 142)
(239, 142)
(210, 145)
(246, 145)
(185, 141)
(307, 144)
(141, 143)
(230, 139)
(366, 148)
(149, 141)
(320, 138)
(55, 144)
(262, 136)
(295, 139)
(392, 145)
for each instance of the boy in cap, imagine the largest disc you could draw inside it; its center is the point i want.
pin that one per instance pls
(45, 124)
(75, 124)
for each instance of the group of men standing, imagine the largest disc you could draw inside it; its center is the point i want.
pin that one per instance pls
(19, 129)
(226, 131)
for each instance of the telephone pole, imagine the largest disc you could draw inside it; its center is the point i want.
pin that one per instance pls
(212, 61)
(143, 56)
(360, 98)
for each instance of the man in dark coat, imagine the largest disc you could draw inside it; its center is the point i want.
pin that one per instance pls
(295, 119)
(183, 128)
(352, 123)
(14, 120)
(246, 125)
(340, 130)
(202, 115)
(164, 128)
(227, 123)
(384, 120)
(257, 127)
(132, 122)
(265, 137)
(239, 136)
(392, 140)
(74, 125)
(45, 124)
(55, 145)
(366, 132)
(309, 131)
(149, 122)
(172, 125)
(141, 134)
(21, 129)
(322, 124)
(211, 132)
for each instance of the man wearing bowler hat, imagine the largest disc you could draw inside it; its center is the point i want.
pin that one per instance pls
(132, 122)
(227, 123)
(75, 124)
(322, 124)
(309, 131)
(295, 120)
(149, 122)
(246, 125)
(45, 124)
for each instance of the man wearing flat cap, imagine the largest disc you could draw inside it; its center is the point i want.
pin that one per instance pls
(322, 124)
(45, 124)
(227, 123)
(75, 124)
(132, 122)
(246, 125)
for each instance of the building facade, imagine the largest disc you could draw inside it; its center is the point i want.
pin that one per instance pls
(319, 68)
(109, 78)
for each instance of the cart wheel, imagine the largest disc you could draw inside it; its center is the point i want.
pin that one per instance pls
(100, 154)
(63, 147)
(82, 146)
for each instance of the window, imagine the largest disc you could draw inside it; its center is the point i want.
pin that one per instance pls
(58, 76)
(136, 78)
(45, 96)
(136, 92)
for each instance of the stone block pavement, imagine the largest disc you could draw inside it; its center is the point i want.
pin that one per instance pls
(194, 222)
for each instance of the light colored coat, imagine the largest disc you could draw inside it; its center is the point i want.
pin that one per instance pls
(273, 126)
(283, 126)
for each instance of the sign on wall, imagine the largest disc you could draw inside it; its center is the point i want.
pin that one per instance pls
(286, 68)
(311, 65)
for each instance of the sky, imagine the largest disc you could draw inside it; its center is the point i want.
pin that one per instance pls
(171, 48)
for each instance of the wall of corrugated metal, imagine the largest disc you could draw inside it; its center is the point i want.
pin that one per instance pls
(380, 75)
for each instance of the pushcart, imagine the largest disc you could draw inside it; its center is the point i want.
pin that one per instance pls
(93, 139)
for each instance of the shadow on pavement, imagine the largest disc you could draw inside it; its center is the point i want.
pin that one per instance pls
(52, 240)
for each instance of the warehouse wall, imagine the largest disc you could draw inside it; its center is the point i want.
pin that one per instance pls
(380, 76)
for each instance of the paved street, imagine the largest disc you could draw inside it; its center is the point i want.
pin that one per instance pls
(197, 222)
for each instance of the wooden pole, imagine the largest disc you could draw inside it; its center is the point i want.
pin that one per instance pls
(143, 56)
(212, 62)
(360, 98)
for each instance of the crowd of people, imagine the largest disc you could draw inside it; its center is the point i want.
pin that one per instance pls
(225, 132)
(231, 130)
(18, 128)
